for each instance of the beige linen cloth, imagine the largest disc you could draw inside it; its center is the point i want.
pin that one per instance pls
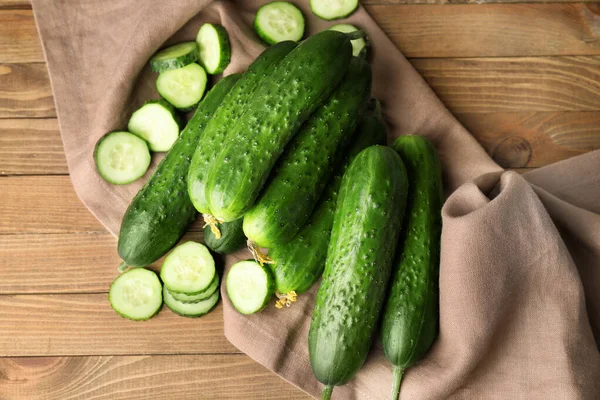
(520, 263)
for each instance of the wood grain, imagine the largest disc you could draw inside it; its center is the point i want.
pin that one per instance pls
(233, 376)
(31, 146)
(490, 30)
(25, 91)
(85, 324)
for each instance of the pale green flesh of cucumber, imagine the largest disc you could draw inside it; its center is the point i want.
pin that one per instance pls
(215, 50)
(189, 269)
(247, 286)
(173, 57)
(279, 21)
(122, 157)
(156, 125)
(136, 294)
(333, 9)
(197, 309)
(357, 44)
(182, 87)
(186, 298)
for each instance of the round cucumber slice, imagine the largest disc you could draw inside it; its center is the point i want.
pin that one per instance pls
(192, 310)
(333, 9)
(136, 294)
(182, 87)
(173, 57)
(249, 286)
(215, 50)
(157, 123)
(279, 21)
(194, 298)
(189, 269)
(357, 44)
(121, 157)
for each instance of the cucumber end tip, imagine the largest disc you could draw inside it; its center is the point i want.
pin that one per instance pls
(285, 300)
(213, 222)
(257, 253)
(326, 393)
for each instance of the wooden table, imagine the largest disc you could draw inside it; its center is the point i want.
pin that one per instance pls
(524, 78)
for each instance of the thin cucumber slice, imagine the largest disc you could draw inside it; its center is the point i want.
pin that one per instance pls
(157, 123)
(192, 310)
(189, 269)
(333, 9)
(357, 44)
(215, 50)
(121, 157)
(136, 294)
(194, 298)
(249, 286)
(173, 57)
(279, 21)
(182, 87)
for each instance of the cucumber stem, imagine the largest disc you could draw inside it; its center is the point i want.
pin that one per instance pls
(122, 267)
(326, 393)
(398, 372)
(212, 221)
(258, 255)
(357, 35)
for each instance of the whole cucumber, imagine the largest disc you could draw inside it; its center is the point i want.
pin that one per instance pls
(160, 213)
(232, 237)
(364, 236)
(299, 263)
(300, 175)
(232, 107)
(409, 324)
(300, 83)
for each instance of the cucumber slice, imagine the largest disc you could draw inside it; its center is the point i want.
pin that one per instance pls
(194, 298)
(192, 310)
(182, 87)
(121, 157)
(136, 294)
(279, 21)
(188, 269)
(215, 50)
(157, 123)
(173, 57)
(357, 44)
(249, 286)
(333, 9)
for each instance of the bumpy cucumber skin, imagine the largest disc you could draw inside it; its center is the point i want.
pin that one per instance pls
(409, 324)
(300, 83)
(160, 213)
(179, 62)
(364, 236)
(299, 263)
(225, 57)
(232, 237)
(231, 109)
(308, 161)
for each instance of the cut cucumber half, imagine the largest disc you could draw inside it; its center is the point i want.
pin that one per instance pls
(357, 44)
(249, 286)
(215, 50)
(192, 310)
(182, 87)
(136, 294)
(157, 123)
(333, 9)
(279, 21)
(194, 298)
(121, 157)
(173, 57)
(189, 269)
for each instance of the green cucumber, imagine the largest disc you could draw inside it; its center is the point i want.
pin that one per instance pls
(157, 123)
(136, 294)
(298, 264)
(279, 21)
(232, 237)
(333, 9)
(121, 157)
(182, 87)
(191, 310)
(306, 165)
(215, 50)
(364, 236)
(409, 324)
(301, 82)
(249, 286)
(358, 44)
(194, 298)
(160, 213)
(232, 108)
(177, 56)
(189, 269)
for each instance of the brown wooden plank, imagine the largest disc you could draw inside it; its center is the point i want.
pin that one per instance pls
(25, 91)
(515, 84)
(85, 324)
(189, 377)
(31, 146)
(19, 41)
